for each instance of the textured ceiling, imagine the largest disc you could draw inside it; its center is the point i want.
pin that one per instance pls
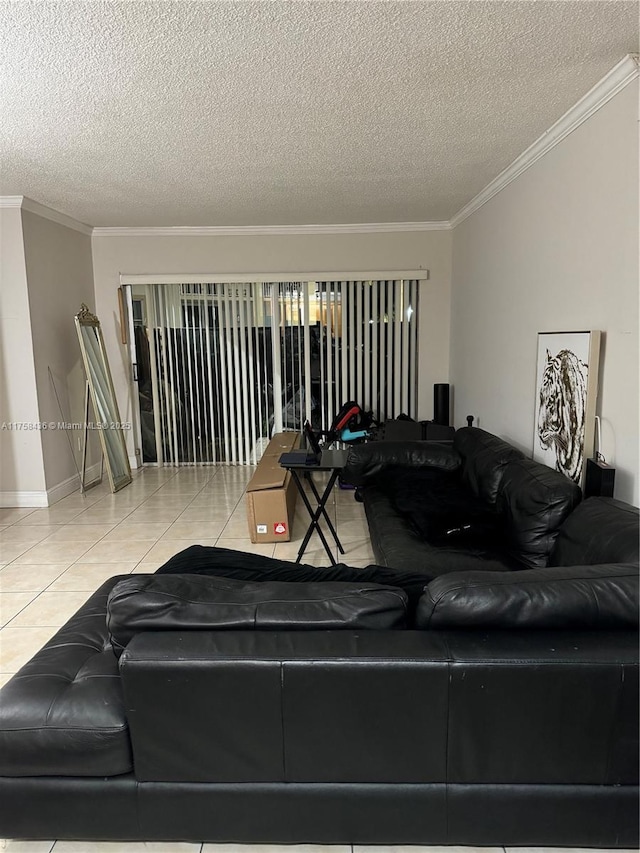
(283, 111)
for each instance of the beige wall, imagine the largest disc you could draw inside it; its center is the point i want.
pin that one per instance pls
(557, 249)
(291, 253)
(21, 462)
(60, 278)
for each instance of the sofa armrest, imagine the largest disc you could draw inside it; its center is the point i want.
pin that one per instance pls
(365, 462)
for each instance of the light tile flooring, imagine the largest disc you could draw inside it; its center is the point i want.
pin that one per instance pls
(52, 559)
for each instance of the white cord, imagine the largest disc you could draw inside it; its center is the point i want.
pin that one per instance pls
(599, 455)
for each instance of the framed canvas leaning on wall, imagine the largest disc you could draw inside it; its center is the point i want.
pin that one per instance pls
(566, 392)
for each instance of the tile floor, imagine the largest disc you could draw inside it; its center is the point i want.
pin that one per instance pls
(51, 559)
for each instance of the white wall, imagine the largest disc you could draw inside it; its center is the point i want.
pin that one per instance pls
(287, 253)
(60, 278)
(557, 249)
(21, 461)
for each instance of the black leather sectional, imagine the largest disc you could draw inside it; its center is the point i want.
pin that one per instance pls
(233, 698)
(476, 504)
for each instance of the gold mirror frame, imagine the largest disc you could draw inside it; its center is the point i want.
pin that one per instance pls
(103, 398)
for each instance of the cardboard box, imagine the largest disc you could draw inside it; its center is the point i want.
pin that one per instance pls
(272, 493)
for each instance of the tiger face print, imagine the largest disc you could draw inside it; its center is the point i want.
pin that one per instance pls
(561, 411)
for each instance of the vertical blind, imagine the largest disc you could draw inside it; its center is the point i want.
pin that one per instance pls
(232, 363)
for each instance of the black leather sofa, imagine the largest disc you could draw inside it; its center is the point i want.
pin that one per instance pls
(476, 504)
(216, 701)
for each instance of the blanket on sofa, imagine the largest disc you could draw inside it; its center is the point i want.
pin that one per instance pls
(224, 562)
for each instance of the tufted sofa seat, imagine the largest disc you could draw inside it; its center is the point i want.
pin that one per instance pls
(65, 707)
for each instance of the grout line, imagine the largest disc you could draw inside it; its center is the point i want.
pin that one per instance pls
(8, 624)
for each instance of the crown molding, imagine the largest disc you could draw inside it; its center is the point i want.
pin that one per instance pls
(268, 230)
(55, 216)
(620, 75)
(21, 201)
(7, 201)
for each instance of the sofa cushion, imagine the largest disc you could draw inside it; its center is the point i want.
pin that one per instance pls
(602, 596)
(534, 500)
(442, 510)
(63, 714)
(397, 545)
(600, 530)
(195, 602)
(484, 457)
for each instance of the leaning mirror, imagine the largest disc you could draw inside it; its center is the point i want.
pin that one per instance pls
(108, 424)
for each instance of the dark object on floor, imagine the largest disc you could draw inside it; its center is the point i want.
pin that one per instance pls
(599, 479)
(441, 403)
(348, 487)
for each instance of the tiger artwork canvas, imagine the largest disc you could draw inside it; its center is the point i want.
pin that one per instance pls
(565, 400)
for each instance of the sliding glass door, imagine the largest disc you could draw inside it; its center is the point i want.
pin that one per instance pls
(224, 365)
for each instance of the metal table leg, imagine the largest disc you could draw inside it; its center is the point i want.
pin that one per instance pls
(314, 517)
(322, 501)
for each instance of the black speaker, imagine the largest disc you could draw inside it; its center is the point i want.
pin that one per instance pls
(441, 403)
(599, 479)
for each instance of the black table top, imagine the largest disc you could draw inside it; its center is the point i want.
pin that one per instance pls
(330, 460)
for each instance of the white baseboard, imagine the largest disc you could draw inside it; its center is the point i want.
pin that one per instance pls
(50, 496)
(66, 487)
(72, 484)
(26, 499)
